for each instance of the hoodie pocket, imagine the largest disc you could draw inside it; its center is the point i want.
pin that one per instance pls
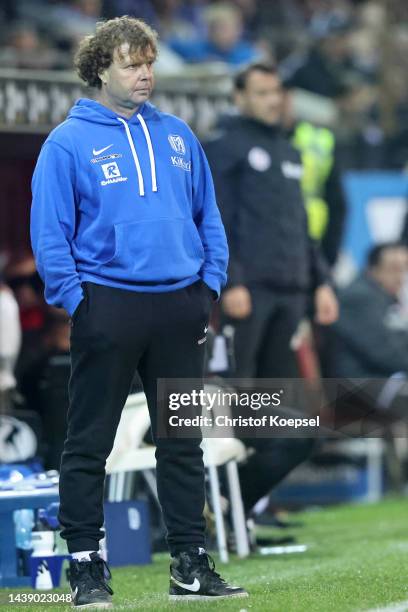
(157, 250)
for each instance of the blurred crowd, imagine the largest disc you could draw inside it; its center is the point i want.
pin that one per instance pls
(353, 53)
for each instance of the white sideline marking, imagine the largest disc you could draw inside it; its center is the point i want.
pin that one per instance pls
(401, 606)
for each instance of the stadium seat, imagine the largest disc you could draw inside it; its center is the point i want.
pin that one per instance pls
(129, 455)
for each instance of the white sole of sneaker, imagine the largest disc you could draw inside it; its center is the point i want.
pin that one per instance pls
(95, 606)
(205, 597)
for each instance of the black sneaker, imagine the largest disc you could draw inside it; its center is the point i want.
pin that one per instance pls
(89, 585)
(193, 576)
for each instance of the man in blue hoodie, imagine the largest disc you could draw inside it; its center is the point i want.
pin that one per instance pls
(128, 239)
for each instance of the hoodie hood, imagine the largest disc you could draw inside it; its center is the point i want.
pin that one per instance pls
(95, 112)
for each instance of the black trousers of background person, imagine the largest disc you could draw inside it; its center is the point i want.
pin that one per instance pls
(114, 333)
(262, 340)
(262, 350)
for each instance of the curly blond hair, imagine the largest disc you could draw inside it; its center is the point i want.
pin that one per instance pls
(95, 52)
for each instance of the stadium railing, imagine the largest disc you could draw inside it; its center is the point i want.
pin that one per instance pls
(36, 101)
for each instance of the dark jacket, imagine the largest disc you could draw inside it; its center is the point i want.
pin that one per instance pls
(257, 173)
(370, 337)
(334, 196)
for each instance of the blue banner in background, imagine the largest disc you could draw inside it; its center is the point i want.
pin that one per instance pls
(376, 209)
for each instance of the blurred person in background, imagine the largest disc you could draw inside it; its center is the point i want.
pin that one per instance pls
(325, 68)
(321, 180)
(70, 21)
(20, 429)
(274, 264)
(170, 18)
(367, 350)
(23, 279)
(371, 335)
(25, 47)
(10, 338)
(224, 40)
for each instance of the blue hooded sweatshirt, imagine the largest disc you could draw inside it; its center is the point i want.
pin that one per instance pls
(127, 203)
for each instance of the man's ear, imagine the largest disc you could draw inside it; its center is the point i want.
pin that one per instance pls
(103, 77)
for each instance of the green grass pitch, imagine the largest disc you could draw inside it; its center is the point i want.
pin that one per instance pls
(357, 560)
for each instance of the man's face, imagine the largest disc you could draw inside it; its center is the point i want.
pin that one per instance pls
(226, 32)
(392, 269)
(262, 98)
(129, 80)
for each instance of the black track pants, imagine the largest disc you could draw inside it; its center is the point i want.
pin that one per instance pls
(115, 332)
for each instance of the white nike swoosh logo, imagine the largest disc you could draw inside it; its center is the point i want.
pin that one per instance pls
(194, 587)
(74, 593)
(95, 152)
(205, 330)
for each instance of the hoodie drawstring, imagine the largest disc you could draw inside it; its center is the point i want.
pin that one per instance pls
(151, 153)
(135, 157)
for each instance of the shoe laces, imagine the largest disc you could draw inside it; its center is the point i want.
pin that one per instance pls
(208, 564)
(96, 571)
